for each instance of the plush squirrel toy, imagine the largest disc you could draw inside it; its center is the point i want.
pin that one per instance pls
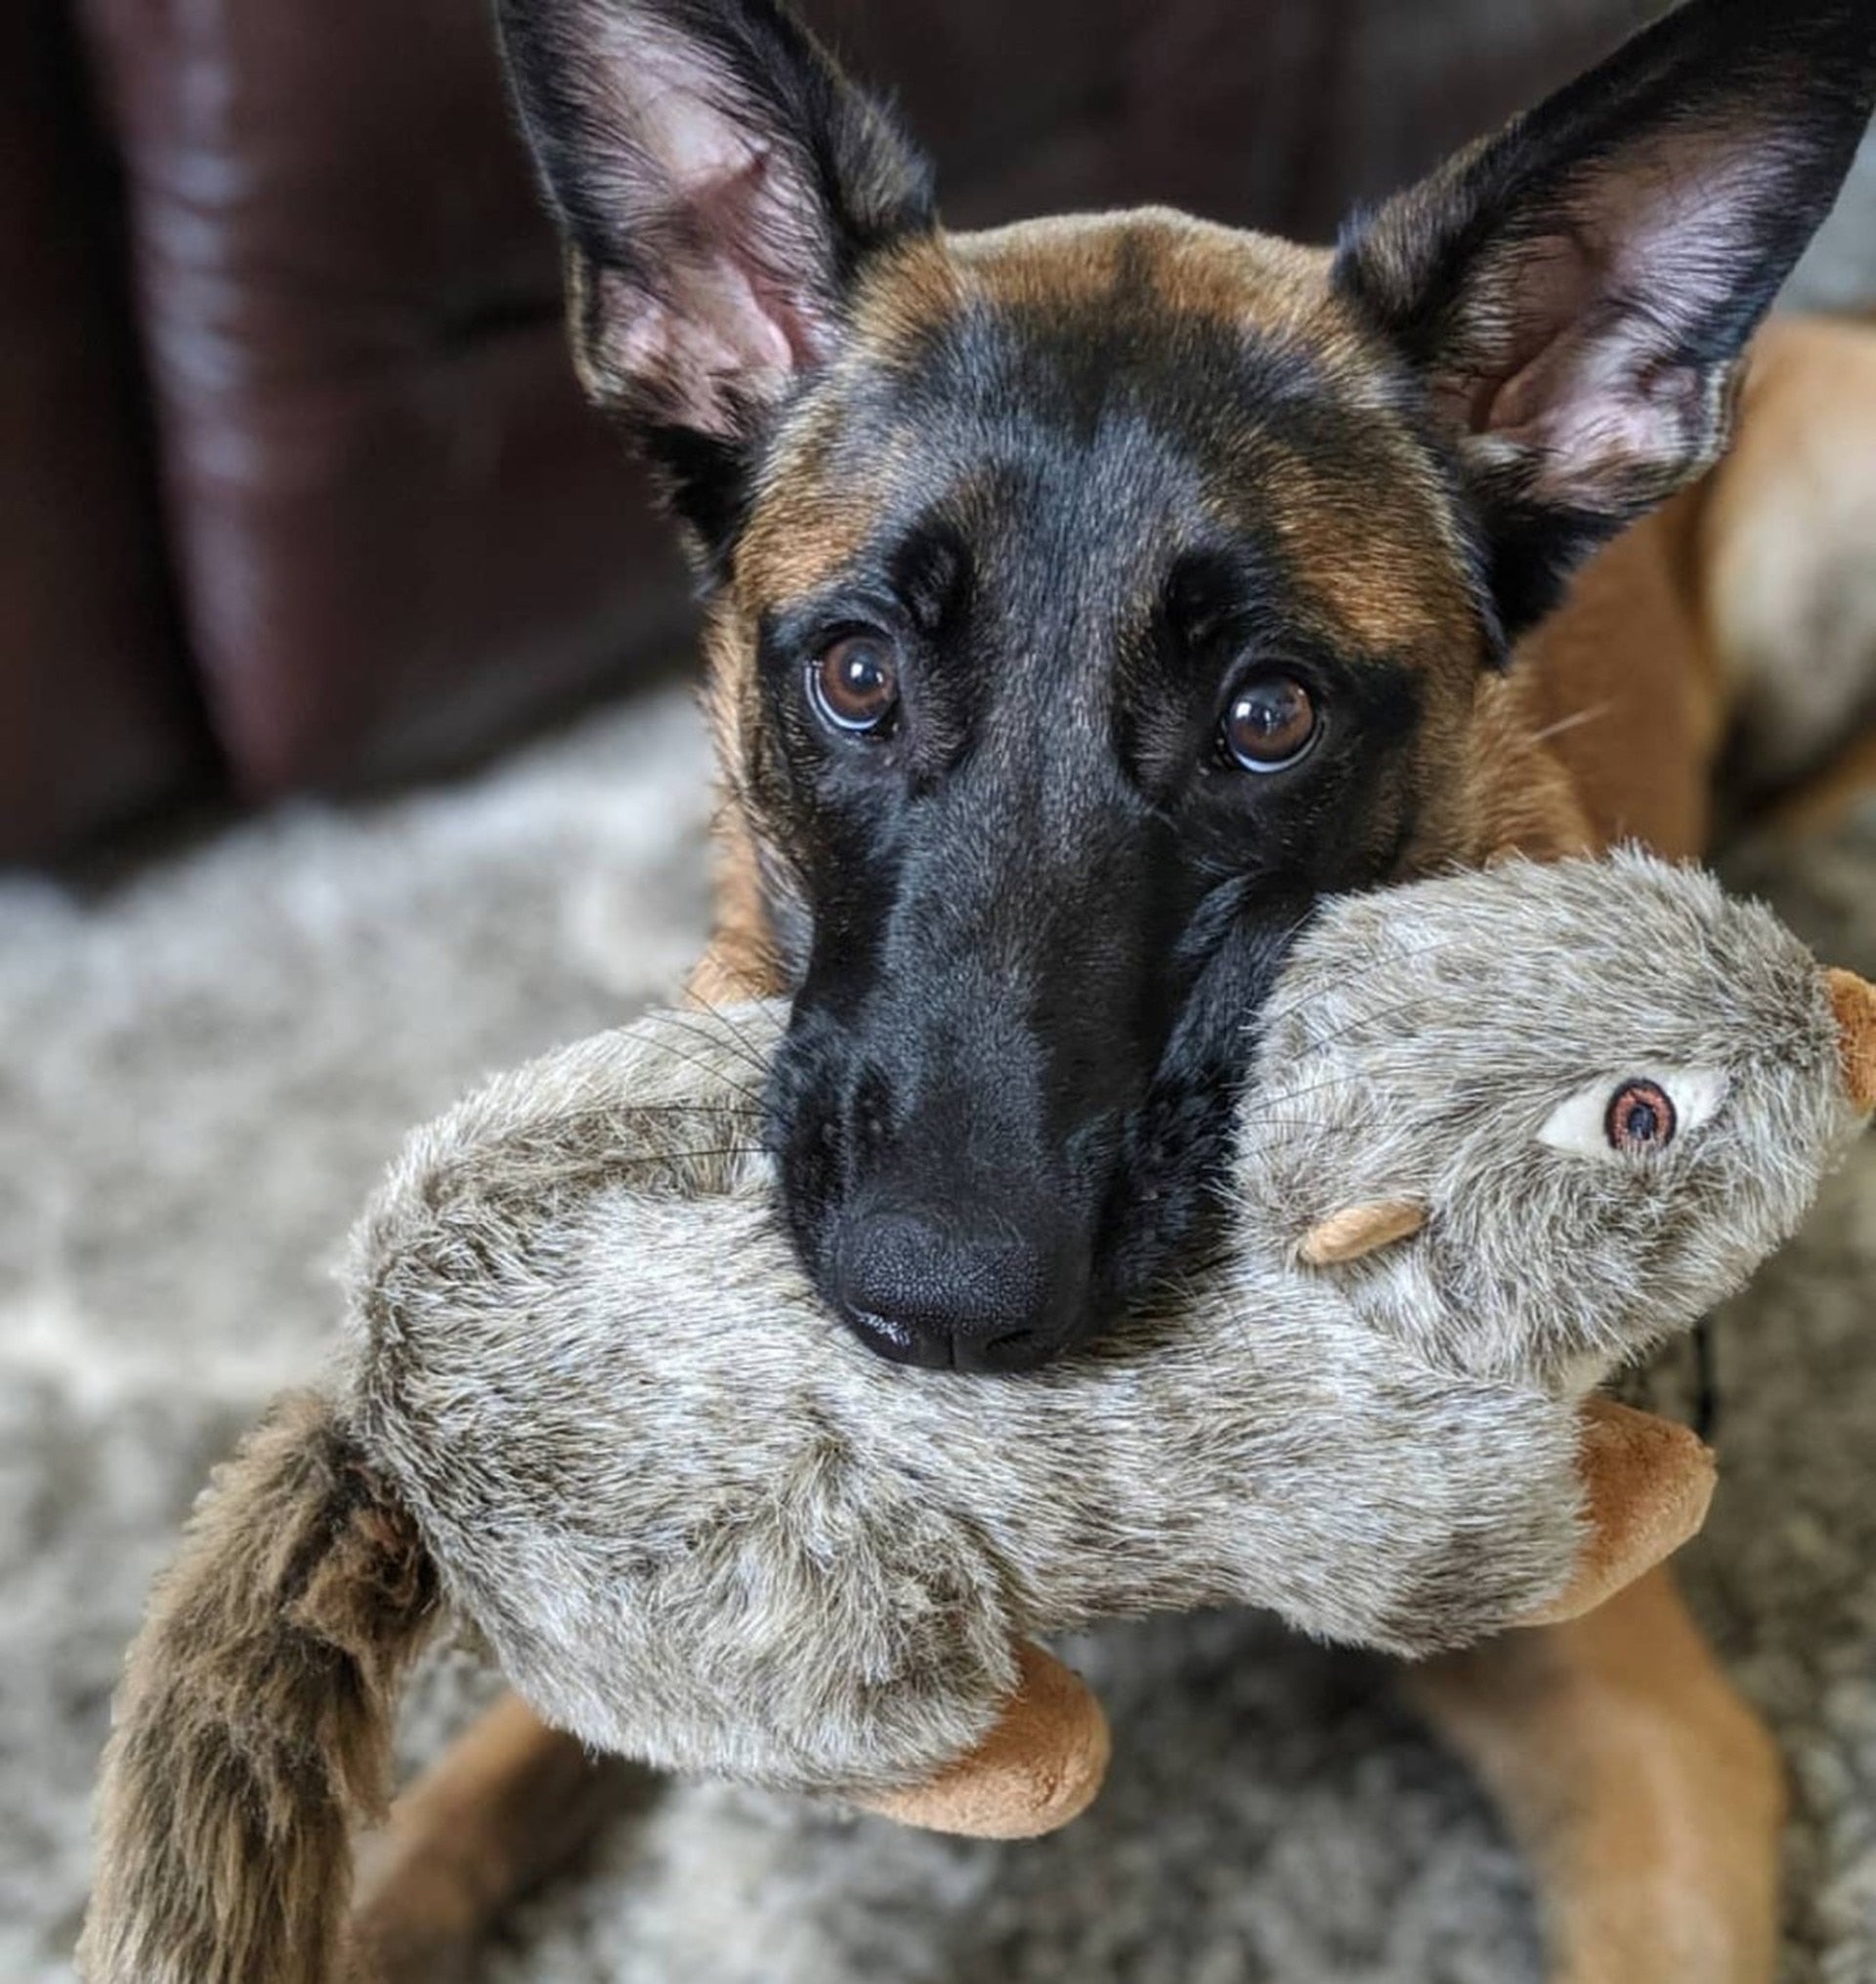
(1504, 1131)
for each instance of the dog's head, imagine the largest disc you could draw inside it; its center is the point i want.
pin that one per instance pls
(1090, 596)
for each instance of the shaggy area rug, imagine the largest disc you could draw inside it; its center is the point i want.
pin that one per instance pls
(202, 1069)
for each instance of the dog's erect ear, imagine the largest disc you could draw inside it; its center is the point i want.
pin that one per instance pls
(1578, 288)
(718, 182)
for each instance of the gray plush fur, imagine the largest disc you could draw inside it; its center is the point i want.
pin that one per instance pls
(1430, 1035)
(699, 1524)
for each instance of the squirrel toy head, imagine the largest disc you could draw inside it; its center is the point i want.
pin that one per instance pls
(1539, 1118)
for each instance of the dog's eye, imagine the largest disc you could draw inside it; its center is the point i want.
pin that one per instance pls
(1641, 1118)
(1268, 724)
(854, 684)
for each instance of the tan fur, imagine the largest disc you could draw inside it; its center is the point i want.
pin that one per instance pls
(1854, 1000)
(1385, 583)
(1621, 689)
(1196, 267)
(1515, 789)
(253, 1728)
(1693, 623)
(811, 519)
(904, 291)
(1647, 1793)
(1822, 802)
(429, 1881)
(1782, 564)
(1193, 267)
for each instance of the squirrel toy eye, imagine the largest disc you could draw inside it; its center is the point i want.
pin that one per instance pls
(1613, 1121)
(1641, 1118)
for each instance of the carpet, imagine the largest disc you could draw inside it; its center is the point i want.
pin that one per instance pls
(203, 1066)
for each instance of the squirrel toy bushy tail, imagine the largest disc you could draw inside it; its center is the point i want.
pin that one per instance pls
(253, 1728)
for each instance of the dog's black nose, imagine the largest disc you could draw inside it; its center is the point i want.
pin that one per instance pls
(949, 1295)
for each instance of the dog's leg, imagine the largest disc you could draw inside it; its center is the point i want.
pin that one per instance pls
(508, 1804)
(1647, 1794)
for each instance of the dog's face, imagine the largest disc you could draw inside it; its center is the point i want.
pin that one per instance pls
(1092, 597)
(1060, 699)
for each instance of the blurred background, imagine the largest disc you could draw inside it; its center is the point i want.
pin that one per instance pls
(347, 753)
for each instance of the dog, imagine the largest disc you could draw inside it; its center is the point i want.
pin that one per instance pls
(1087, 598)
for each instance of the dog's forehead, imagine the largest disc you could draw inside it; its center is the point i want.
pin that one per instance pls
(1153, 379)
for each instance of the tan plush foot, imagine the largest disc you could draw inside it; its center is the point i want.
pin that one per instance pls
(1649, 1484)
(1039, 1768)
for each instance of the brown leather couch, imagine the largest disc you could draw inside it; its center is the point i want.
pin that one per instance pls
(296, 485)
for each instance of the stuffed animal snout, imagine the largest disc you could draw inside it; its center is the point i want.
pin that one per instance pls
(1854, 1000)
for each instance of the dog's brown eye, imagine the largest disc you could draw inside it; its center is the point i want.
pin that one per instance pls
(1269, 722)
(1641, 1118)
(854, 684)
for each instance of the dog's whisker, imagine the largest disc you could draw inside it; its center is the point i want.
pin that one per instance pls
(1305, 1122)
(722, 1014)
(1293, 1135)
(737, 1111)
(1590, 714)
(749, 1095)
(692, 1024)
(1251, 1114)
(1276, 1016)
(695, 1154)
(745, 1048)
(1374, 1016)
(692, 1018)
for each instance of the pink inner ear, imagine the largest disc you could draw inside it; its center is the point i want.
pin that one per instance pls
(1596, 311)
(708, 342)
(1593, 408)
(726, 326)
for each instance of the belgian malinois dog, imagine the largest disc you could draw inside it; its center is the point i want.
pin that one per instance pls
(1087, 598)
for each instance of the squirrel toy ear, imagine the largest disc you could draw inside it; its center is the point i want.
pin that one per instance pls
(1854, 1000)
(1358, 1230)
